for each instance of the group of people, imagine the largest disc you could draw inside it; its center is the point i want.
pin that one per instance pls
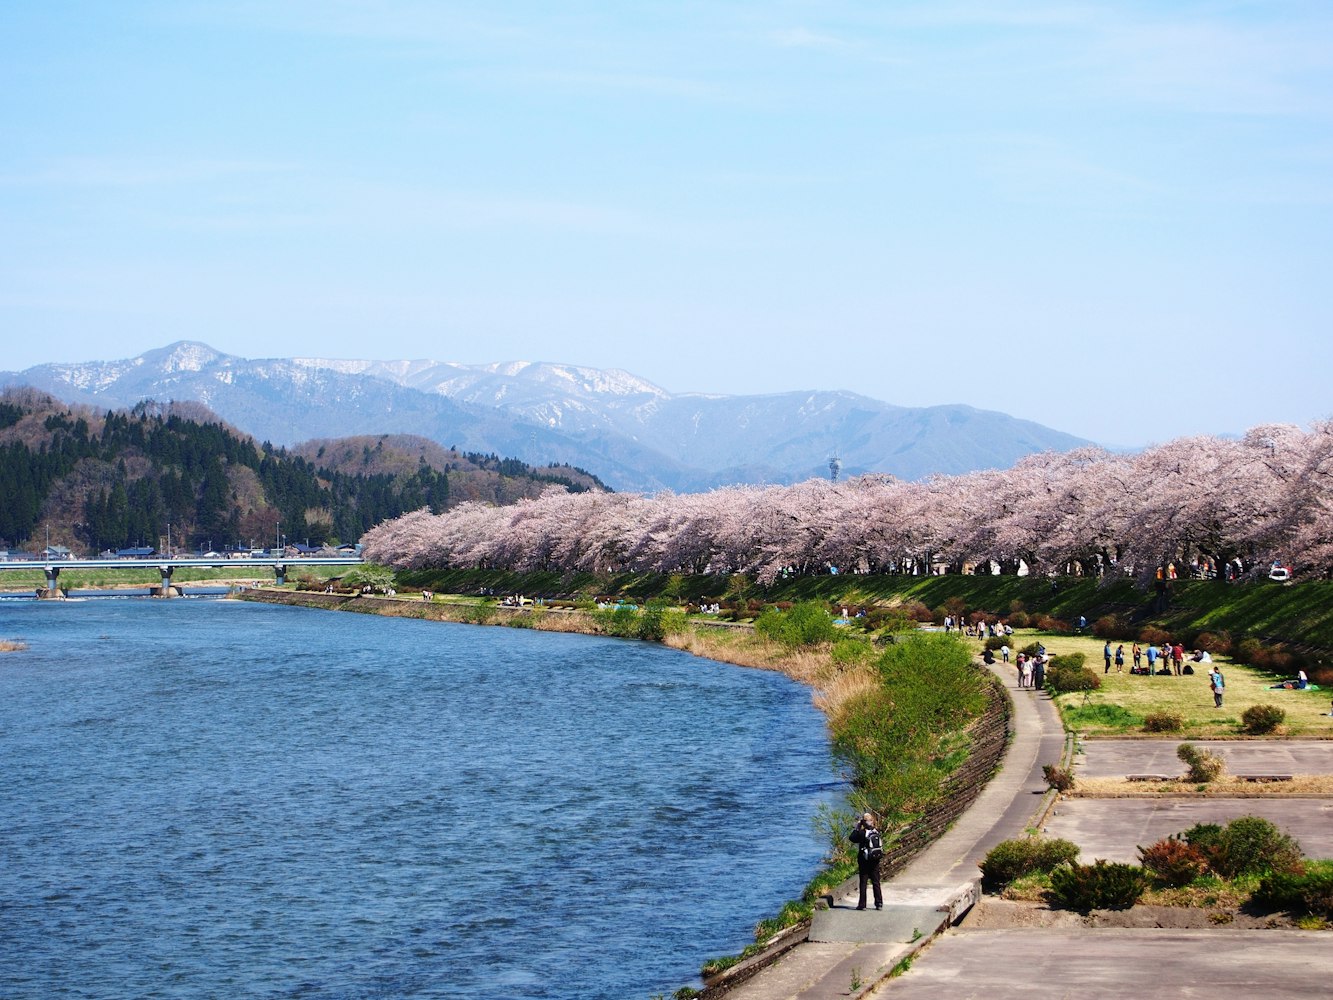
(1172, 657)
(1173, 662)
(1031, 669)
(980, 629)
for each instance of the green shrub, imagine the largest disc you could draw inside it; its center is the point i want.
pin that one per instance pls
(849, 652)
(1204, 765)
(1030, 649)
(1059, 778)
(622, 621)
(1010, 860)
(806, 624)
(1204, 836)
(1308, 890)
(1062, 679)
(659, 619)
(1163, 722)
(1259, 719)
(1252, 845)
(1018, 619)
(995, 642)
(1103, 885)
(1174, 862)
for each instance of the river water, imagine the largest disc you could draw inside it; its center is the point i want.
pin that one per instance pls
(217, 798)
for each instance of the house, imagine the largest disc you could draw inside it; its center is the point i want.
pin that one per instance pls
(52, 552)
(139, 552)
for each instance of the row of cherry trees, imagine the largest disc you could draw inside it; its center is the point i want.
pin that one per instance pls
(1203, 503)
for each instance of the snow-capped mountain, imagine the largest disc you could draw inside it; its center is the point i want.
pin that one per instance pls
(631, 433)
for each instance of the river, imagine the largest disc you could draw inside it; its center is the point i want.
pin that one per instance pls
(219, 798)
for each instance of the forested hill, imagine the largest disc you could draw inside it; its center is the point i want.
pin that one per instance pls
(118, 479)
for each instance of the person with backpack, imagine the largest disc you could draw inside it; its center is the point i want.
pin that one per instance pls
(870, 844)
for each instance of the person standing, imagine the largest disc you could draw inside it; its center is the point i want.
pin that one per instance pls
(1106, 655)
(870, 851)
(1177, 657)
(1138, 658)
(1039, 671)
(1152, 660)
(1120, 658)
(1218, 683)
(1004, 652)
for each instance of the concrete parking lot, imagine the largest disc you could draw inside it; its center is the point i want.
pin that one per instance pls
(1116, 963)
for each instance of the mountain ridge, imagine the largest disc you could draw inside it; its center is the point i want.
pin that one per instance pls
(633, 434)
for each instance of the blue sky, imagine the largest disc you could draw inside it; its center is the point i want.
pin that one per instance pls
(1113, 218)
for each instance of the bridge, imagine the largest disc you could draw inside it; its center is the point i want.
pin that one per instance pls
(168, 565)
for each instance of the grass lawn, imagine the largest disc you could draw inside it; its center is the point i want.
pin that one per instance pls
(1119, 706)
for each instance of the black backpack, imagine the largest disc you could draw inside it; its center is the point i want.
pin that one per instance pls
(874, 845)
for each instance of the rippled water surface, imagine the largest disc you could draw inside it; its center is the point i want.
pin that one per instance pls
(213, 798)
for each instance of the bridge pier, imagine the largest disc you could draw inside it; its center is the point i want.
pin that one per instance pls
(166, 589)
(280, 573)
(52, 591)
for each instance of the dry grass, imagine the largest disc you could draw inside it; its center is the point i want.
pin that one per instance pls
(1189, 697)
(12, 646)
(1228, 786)
(833, 684)
(1218, 895)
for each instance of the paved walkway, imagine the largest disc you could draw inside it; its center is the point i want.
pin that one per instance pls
(849, 947)
(1116, 758)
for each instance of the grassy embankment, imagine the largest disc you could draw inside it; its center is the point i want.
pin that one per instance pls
(1300, 614)
(26, 581)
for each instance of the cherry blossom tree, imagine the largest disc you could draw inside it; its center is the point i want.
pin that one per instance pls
(1199, 504)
